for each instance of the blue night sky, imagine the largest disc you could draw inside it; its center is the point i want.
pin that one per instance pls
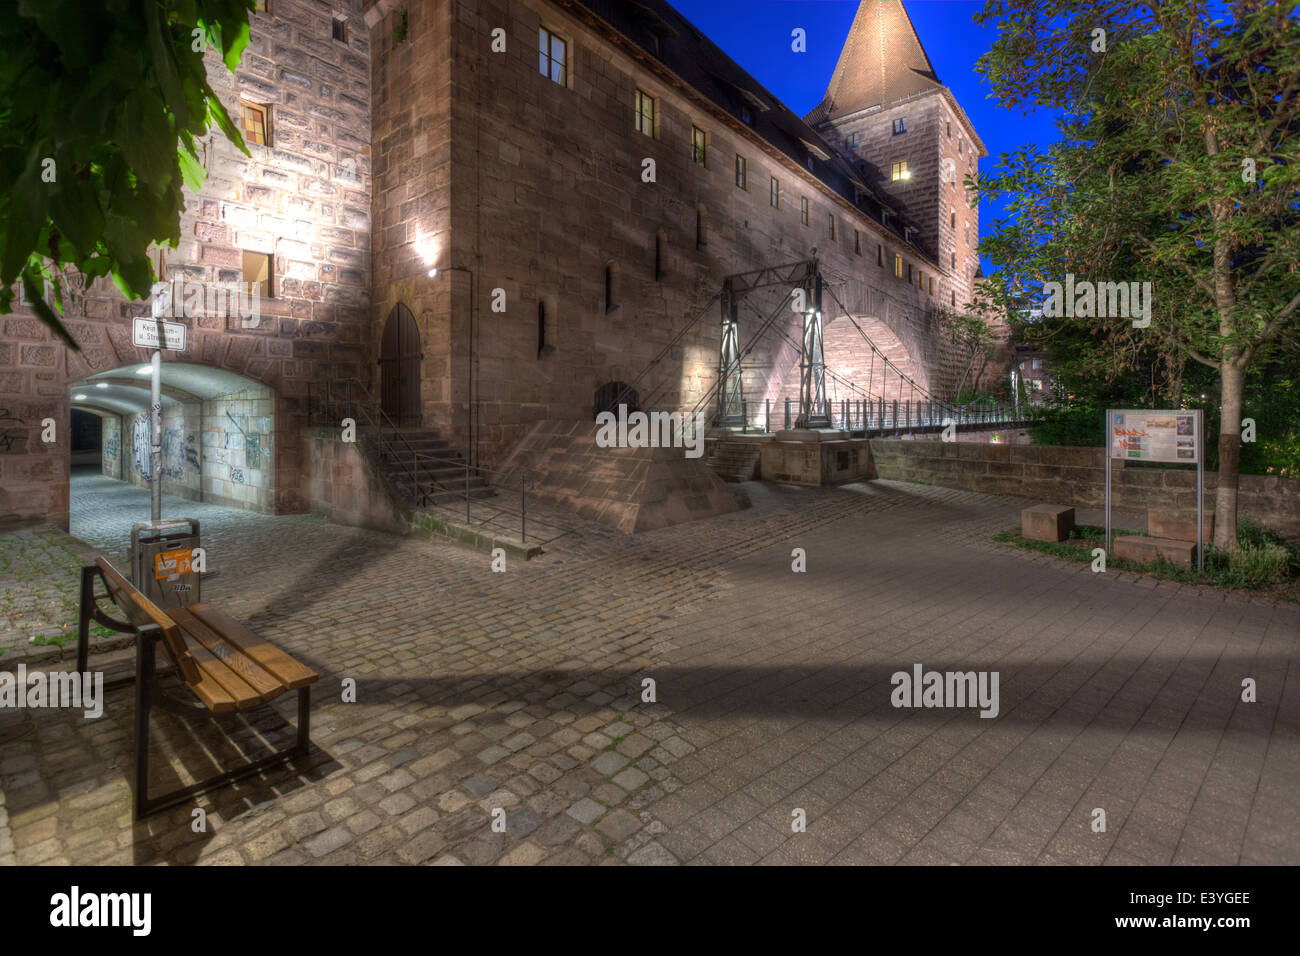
(756, 34)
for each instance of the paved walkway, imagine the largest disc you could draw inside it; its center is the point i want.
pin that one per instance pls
(521, 692)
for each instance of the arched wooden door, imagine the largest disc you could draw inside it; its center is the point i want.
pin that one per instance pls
(399, 367)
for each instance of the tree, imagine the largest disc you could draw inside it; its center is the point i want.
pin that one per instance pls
(1178, 164)
(972, 338)
(100, 107)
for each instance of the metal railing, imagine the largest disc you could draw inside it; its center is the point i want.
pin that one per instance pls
(879, 416)
(325, 406)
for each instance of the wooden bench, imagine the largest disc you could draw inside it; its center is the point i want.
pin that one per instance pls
(226, 666)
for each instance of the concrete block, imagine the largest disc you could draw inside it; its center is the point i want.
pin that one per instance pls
(1177, 524)
(1134, 547)
(1046, 522)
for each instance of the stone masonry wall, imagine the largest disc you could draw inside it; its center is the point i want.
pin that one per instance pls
(305, 199)
(1076, 477)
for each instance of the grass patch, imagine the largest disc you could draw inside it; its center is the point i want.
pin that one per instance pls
(1266, 563)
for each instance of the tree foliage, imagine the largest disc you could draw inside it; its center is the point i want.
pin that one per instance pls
(1178, 164)
(101, 106)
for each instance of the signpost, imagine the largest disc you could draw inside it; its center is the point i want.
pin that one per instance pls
(157, 335)
(1175, 436)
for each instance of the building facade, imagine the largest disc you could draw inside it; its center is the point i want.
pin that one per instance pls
(489, 214)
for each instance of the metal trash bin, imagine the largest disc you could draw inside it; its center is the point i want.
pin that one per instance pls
(160, 561)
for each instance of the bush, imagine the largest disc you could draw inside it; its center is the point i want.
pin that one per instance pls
(1078, 427)
(1259, 567)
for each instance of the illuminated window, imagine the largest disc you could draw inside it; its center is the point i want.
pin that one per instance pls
(552, 56)
(699, 146)
(255, 121)
(257, 268)
(645, 113)
(899, 171)
(898, 266)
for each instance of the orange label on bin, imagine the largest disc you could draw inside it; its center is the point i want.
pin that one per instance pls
(168, 564)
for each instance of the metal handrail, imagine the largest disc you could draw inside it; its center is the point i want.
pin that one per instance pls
(374, 415)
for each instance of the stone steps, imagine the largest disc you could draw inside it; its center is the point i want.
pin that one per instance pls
(436, 476)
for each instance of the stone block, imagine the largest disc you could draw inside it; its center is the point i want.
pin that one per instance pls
(1135, 547)
(1177, 524)
(1046, 522)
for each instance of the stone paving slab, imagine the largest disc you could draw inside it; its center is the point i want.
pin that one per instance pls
(517, 698)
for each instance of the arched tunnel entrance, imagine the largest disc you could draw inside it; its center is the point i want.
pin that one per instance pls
(218, 433)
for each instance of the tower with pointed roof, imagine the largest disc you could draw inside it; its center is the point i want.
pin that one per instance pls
(890, 114)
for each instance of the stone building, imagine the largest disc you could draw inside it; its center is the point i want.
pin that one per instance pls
(488, 214)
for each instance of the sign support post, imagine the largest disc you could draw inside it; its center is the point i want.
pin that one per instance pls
(155, 457)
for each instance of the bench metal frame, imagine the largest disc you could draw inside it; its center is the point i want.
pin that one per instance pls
(148, 693)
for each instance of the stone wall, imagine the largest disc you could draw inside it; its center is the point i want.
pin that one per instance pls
(345, 486)
(304, 199)
(1077, 477)
(111, 454)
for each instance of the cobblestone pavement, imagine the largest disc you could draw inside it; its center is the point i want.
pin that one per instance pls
(522, 692)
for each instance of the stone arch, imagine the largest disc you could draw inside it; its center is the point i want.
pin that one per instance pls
(885, 373)
(612, 394)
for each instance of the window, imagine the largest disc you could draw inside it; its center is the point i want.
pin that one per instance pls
(900, 126)
(880, 255)
(954, 219)
(701, 226)
(899, 171)
(803, 210)
(959, 145)
(857, 242)
(909, 273)
(552, 56)
(258, 268)
(832, 225)
(746, 115)
(645, 113)
(775, 197)
(853, 140)
(545, 325)
(699, 146)
(884, 218)
(920, 280)
(740, 172)
(898, 266)
(931, 285)
(255, 123)
(611, 287)
(950, 130)
(1038, 363)
(661, 254)
(954, 298)
(340, 28)
(810, 163)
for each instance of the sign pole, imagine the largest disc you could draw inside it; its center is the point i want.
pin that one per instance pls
(155, 459)
(1108, 446)
(1200, 490)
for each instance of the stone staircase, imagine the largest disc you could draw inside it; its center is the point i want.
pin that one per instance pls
(735, 460)
(435, 477)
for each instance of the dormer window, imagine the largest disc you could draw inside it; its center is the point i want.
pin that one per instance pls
(746, 114)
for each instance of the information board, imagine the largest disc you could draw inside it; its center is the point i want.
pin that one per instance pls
(1144, 435)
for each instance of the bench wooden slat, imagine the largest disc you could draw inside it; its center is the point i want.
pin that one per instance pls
(284, 668)
(215, 697)
(247, 682)
(142, 611)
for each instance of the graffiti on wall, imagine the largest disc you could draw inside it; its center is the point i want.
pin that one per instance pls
(12, 439)
(140, 446)
(191, 452)
(173, 452)
(253, 451)
(237, 475)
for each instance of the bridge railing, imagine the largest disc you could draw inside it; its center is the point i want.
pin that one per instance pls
(881, 416)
